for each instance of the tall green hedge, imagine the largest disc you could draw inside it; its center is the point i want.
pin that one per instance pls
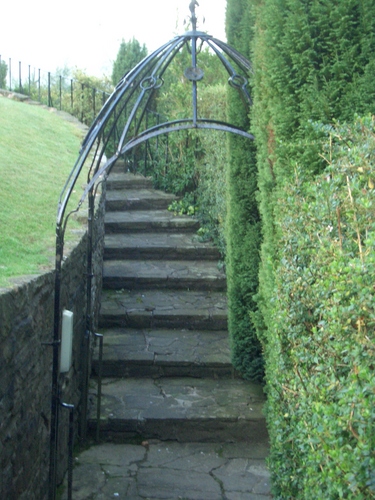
(320, 357)
(243, 222)
(314, 60)
(315, 64)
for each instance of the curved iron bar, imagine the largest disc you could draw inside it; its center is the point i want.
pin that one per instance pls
(145, 78)
(161, 129)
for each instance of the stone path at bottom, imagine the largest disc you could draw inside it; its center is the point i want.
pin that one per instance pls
(172, 471)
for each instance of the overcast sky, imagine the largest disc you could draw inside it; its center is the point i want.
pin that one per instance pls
(50, 34)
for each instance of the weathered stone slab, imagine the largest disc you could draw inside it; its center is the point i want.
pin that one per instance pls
(170, 470)
(143, 220)
(138, 199)
(191, 310)
(168, 274)
(187, 410)
(165, 353)
(157, 245)
(126, 180)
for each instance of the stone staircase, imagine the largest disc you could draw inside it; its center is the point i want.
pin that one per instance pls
(167, 373)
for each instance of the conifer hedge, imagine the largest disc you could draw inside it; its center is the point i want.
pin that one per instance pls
(243, 222)
(321, 351)
(314, 66)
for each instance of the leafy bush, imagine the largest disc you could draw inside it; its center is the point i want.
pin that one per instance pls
(313, 60)
(243, 230)
(321, 343)
(193, 164)
(3, 74)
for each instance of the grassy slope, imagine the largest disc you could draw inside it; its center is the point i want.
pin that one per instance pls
(37, 151)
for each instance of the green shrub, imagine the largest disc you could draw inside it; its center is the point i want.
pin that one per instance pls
(3, 74)
(321, 349)
(243, 232)
(313, 61)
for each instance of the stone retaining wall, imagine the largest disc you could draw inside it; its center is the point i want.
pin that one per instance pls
(26, 322)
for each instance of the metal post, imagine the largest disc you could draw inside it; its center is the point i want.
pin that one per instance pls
(82, 97)
(19, 77)
(70, 448)
(55, 390)
(29, 81)
(93, 103)
(10, 74)
(89, 321)
(49, 90)
(99, 390)
(60, 94)
(39, 84)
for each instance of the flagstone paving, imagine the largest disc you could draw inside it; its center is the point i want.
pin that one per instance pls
(177, 421)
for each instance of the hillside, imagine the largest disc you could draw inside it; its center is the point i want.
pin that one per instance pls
(38, 148)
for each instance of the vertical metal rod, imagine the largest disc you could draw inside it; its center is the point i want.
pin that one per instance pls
(60, 93)
(10, 74)
(146, 146)
(89, 325)
(194, 65)
(166, 155)
(93, 101)
(49, 90)
(99, 390)
(29, 80)
(70, 448)
(157, 137)
(82, 97)
(71, 93)
(55, 396)
(39, 84)
(19, 76)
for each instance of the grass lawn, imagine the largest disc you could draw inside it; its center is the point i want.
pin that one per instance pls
(38, 149)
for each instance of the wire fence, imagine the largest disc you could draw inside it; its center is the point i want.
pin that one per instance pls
(76, 97)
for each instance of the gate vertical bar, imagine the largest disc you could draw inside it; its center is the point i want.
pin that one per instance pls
(55, 392)
(19, 76)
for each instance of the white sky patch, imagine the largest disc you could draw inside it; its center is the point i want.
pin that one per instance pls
(48, 34)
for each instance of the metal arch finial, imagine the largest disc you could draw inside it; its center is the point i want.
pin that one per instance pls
(192, 5)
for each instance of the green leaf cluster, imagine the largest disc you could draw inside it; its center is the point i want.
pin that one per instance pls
(190, 164)
(243, 230)
(320, 356)
(314, 61)
(3, 74)
(128, 56)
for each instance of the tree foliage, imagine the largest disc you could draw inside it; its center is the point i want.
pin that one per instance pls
(314, 60)
(129, 55)
(192, 164)
(314, 65)
(320, 378)
(3, 74)
(243, 222)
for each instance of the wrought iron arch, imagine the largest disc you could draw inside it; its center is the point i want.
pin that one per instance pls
(120, 126)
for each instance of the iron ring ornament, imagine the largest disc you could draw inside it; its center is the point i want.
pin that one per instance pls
(151, 82)
(194, 74)
(237, 81)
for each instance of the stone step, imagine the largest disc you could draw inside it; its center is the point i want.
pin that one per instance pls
(170, 470)
(186, 410)
(191, 310)
(126, 180)
(122, 166)
(143, 220)
(164, 353)
(158, 245)
(138, 199)
(163, 274)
